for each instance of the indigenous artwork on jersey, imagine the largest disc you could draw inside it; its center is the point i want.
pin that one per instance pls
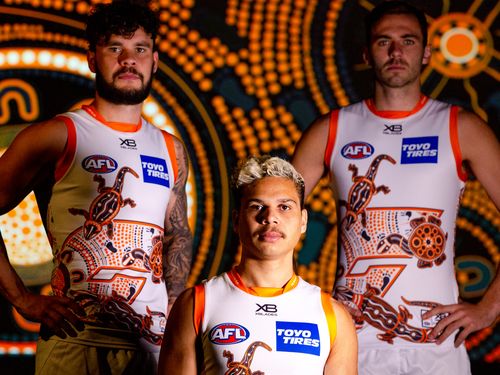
(237, 78)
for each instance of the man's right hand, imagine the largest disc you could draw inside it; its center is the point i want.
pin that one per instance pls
(60, 315)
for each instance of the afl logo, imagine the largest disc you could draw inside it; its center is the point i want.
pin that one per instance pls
(357, 150)
(99, 164)
(228, 333)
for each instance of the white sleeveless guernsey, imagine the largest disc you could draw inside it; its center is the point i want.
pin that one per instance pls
(398, 181)
(105, 220)
(244, 333)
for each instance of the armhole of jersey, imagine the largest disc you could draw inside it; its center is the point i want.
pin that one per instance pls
(199, 307)
(326, 301)
(455, 144)
(332, 135)
(169, 142)
(68, 154)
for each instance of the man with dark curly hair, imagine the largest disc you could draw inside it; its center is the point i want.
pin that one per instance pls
(111, 191)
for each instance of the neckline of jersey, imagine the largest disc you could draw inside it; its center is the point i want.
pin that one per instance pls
(235, 277)
(396, 114)
(119, 126)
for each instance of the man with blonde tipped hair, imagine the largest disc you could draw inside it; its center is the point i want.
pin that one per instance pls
(261, 317)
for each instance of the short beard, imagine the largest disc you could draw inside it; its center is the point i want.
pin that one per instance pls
(115, 95)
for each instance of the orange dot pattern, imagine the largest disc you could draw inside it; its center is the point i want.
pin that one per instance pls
(20, 31)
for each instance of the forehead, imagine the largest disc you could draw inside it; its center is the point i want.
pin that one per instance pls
(138, 36)
(271, 188)
(397, 24)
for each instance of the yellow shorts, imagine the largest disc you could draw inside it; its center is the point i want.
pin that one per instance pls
(55, 357)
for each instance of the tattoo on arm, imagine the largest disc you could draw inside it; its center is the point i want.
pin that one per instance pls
(178, 240)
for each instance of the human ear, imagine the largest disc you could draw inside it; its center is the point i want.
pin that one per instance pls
(91, 61)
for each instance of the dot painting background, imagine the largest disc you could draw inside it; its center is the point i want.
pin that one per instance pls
(242, 77)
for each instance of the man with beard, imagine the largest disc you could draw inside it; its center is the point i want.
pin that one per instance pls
(111, 191)
(260, 317)
(398, 167)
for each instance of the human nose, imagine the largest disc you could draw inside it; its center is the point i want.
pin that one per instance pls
(269, 216)
(127, 57)
(394, 49)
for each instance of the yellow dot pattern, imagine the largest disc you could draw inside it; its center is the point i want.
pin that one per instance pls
(24, 234)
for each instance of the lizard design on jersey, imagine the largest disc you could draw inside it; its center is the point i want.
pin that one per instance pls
(243, 367)
(105, 206)
(362, 191)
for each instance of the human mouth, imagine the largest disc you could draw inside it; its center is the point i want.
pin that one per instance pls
(395, 65)
(270, 236)
(128, 74)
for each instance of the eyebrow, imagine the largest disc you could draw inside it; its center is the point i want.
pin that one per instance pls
(404, 36)
(140, 43)
(281, 200)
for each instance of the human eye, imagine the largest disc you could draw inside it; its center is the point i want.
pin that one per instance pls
(409, 42)
(255, 207)
(382, 42)
(140, 49)
(285, 207)
(114, 49)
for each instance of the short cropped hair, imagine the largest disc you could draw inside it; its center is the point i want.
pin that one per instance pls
(394, 7)
(256, 168)
(119, 18)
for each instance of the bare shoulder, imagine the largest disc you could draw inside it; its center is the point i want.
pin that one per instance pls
(47, 136)
(317, 130)
(309, 154)
(340, 311)
(475, 136)
(181, 155)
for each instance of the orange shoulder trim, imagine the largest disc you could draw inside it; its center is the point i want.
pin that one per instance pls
(169, 142)
(326, 301)
(68, 154)
(455, 144)
(199, 307)
(332, 135)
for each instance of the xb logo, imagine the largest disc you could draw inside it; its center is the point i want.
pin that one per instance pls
(393, 129)
(267, 308)
(128, 143)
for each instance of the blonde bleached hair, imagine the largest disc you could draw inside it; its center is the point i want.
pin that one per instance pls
(256, 168)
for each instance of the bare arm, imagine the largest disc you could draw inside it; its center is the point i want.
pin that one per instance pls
(309, 154)
(481, 151)
(178, 240)
(343, 358)
(34, 152)
(178, 350)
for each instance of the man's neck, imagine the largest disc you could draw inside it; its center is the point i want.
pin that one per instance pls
(123, 113)
(399, 99)
(265, 274)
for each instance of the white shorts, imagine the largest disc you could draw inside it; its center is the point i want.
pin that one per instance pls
(399, 361)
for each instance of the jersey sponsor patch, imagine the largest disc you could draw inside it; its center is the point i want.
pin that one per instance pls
(419, 150)
(297, 337)
(357, 150)
(155, 170)
(228, 333)
(99, 164)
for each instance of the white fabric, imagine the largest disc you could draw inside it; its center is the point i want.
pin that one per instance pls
(419, 361)
(266, 327)
(383, 277)
(115, 272)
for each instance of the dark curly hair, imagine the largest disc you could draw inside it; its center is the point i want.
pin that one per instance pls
(119, 18)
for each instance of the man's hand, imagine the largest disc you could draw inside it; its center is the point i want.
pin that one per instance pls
(55, 313)
(464, 317)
